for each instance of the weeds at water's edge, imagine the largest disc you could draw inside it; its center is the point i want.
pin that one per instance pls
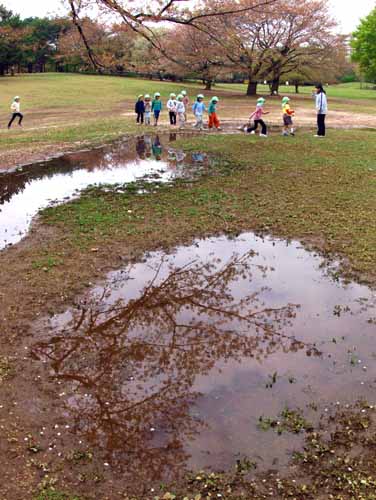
(51, 494)
(336, 463)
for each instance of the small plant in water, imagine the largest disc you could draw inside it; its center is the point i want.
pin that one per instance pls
(290, 421)
(244, 465)
(272, 380)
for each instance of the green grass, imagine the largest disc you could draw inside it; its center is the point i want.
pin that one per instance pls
(59, 90)
(92, 131)
(52, 494)
(54, 90)
(352, 91)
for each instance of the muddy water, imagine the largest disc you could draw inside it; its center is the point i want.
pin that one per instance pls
(29, 189)
(170, 365)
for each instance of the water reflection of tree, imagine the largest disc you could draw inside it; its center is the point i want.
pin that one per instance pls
(137, 360)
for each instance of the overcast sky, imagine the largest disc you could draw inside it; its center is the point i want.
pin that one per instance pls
(348, 13)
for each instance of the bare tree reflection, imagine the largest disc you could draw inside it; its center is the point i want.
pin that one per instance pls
(137, 360)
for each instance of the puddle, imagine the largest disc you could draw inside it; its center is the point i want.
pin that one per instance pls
(170, 366)
(31, 188)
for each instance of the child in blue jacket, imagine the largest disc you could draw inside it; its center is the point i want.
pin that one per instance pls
(156, 107)
(199, 109)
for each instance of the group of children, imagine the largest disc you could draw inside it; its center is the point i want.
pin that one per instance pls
(177, 107)
(288, 113)
(256, 116)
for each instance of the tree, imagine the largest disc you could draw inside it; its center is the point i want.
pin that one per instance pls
(5, 14)
(270, 44)
(12, 39)
(364, 46)
(143, 16)
(196, 55)
(329, 66)
(113, 46)
(30, 42)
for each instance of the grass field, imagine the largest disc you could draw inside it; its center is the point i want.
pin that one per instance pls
(319, 192)
(65, 111)
(340, 91)
(55, 90)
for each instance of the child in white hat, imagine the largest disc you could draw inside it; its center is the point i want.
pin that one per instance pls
(171, 106)
(156, 107)
(147, 109)
(180, 109)
(199, 109)
(16, 112)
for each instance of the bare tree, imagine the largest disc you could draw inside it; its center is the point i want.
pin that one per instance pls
(198, 55)
(143, 16)
(269, 44)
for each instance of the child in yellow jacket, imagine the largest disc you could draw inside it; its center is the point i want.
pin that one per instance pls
(288, 114)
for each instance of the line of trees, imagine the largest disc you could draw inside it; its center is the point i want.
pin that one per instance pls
(27, 43)
(364, 46)
(233, 40)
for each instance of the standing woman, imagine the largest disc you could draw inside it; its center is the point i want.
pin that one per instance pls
(322, 109)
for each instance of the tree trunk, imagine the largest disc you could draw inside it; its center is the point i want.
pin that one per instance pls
(296, 88)
(208, 84)
(252, 88)
(274, 88)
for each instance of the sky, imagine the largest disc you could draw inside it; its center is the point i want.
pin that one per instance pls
(347, 13)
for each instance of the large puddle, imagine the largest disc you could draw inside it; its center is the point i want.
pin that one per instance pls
(171, 365)
(31, 188)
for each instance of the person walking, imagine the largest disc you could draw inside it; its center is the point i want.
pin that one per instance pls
(257, 117)
(156, 107)
(212, 112)
(16, 112)
(147, 109)
(181, 111)
(322, 110)
(171, 106)
(186, 102)
(140, 109)
(287, 115)
(199, 109)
